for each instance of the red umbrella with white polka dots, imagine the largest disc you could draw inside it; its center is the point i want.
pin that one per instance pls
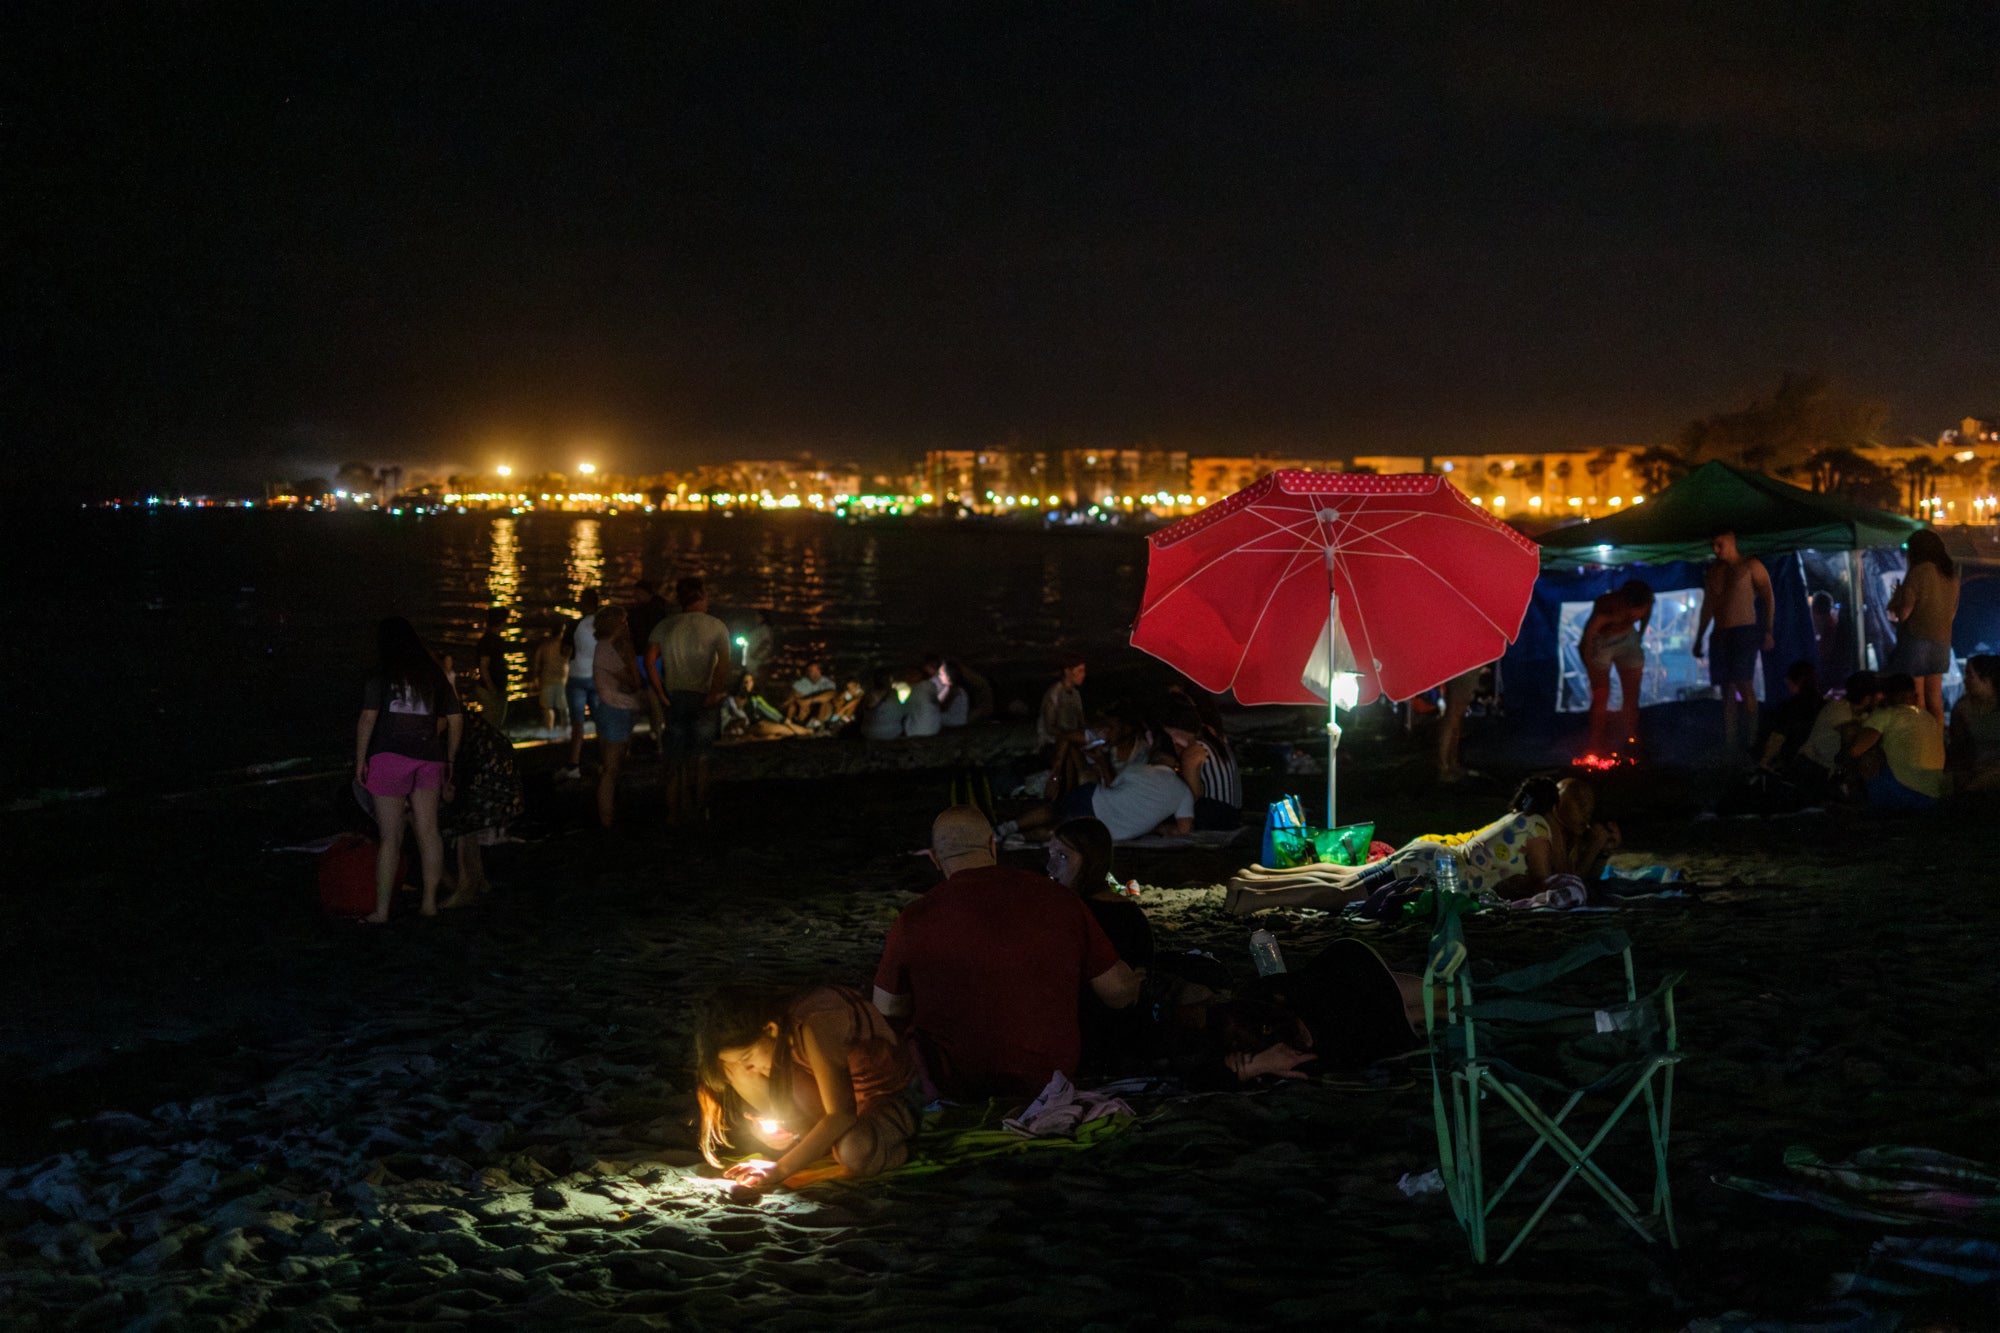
(1400, 580)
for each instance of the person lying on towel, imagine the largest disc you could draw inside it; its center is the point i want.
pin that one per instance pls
(1549, 829)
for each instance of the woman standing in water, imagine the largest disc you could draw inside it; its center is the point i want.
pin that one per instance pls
(404, 746)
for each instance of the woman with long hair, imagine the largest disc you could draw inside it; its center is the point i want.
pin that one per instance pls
(1207, 765)
(1923, 607)
(620, 690)
(807, 1071)
(405, 743)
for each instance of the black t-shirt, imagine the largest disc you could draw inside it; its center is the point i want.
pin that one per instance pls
(405, 722)
(1125, 925)
(492, 657)
(644, 617)
(1793, 719)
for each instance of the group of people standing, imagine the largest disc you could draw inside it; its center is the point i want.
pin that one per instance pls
(671, 668)
(1735, 627)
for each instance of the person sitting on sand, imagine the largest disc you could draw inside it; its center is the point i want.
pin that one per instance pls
(847, 703)
(1791, 722)
(1060, 727)
(749, 714)
(1121, 740)
(1972, 750)
(1208, 766)
(1151, 798)
(405, 744)
(1550, 829)
(881, 710)
(1080, 860)
(811, 699)
(809, 1072)
(985, 969)
(922, 715)
(965, 696)
(1900, 749)
(1341, 1012)
(1819, 757)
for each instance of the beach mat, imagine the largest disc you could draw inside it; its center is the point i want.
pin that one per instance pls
(952, 1136)
(1894, 1185)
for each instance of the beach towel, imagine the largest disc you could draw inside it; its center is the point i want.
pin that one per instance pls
(1893, 1184)
(949, 1136)
(1062, 1108)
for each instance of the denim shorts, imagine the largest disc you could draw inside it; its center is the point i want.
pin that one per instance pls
(1920, 657)
(582, 696)
(692, 726)
(613, 724)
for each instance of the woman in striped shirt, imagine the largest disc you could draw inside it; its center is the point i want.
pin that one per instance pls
(1208, 767)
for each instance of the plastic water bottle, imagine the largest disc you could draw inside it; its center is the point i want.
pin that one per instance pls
(1264, 952)
(1446, 875)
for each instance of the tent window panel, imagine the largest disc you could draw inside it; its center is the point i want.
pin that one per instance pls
(1672, 674)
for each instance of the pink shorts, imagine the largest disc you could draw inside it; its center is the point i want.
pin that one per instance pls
(399, 775)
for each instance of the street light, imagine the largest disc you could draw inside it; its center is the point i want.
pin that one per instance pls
(504, 470)
(586, 468)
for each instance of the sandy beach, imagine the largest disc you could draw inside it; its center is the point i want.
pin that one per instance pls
(226, 1111)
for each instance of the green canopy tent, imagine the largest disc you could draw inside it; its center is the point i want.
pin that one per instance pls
(1769, 518)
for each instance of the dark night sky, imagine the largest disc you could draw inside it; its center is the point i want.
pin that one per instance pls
(243, 240)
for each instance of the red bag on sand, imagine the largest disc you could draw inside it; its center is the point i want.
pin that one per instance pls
(347, 876)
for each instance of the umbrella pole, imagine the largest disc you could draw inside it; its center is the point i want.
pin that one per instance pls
(1857, 574)
(1332, 708)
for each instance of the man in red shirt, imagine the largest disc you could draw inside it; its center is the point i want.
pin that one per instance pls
(987, 969)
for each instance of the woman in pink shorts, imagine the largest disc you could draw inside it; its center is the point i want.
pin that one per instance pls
(404, 746)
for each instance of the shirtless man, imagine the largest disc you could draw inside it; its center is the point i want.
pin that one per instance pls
(1736, 597)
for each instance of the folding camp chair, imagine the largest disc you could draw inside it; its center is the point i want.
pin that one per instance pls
(1529, 1042)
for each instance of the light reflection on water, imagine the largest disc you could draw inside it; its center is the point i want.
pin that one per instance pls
(503, 566)
(586, 557)
(260, 625)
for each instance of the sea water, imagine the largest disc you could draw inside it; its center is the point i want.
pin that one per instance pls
(162, 650)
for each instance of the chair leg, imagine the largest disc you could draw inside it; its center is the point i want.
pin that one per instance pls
(1578, 1160)
(1659, 1120)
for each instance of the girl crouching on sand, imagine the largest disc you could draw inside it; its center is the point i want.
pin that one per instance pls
(810, 1071)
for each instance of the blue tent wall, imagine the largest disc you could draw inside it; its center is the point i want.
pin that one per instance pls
(1531, 667)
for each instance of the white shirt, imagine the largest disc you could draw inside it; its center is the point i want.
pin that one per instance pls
(1141, 800)
(1822, 743)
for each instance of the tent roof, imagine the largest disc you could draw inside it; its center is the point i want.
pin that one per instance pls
(1768, 516)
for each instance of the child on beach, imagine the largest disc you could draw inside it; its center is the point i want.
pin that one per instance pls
(810, 1071)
